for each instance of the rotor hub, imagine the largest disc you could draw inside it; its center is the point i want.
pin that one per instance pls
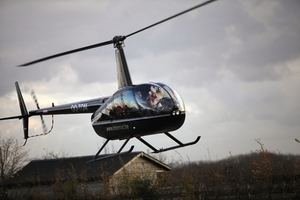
(119, 41)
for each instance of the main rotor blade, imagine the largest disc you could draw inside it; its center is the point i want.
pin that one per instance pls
(181, 13)
(68, 52)
(116, 39)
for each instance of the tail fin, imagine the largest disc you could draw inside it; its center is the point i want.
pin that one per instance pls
(24, 112)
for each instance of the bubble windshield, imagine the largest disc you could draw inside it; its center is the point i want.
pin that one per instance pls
(140, 101)
(158, 96)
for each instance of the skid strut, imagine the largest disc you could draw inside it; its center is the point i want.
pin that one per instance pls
(97, 157)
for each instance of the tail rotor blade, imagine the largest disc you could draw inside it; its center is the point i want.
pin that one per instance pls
(35, 99)
(43, 124)
(38, 107)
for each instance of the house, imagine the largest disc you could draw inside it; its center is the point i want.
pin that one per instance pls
(75, 178)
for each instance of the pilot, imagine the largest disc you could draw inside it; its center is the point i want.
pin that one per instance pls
(154, 96)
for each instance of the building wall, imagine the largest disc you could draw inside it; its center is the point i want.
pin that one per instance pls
(137, 169)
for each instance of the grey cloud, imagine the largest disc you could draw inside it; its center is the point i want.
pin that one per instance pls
(229, 61)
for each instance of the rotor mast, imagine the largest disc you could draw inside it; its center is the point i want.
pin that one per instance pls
(124, 78)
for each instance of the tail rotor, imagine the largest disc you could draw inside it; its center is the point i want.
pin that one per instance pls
(38, 107)
(45, 131)
(25, 115)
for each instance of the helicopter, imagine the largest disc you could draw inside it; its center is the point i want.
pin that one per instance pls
(133, 111)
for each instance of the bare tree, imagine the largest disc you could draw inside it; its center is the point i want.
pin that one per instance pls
(12, 157)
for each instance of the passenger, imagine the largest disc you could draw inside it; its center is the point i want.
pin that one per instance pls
(139, 98)
(139, 95)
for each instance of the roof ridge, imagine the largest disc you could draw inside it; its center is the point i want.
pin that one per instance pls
(77, 157)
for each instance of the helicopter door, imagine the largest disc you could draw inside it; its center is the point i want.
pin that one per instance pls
(117, 107)
(124, 105)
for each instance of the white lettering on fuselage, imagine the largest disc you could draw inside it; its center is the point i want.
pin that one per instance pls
(117, 128)
(79, 107)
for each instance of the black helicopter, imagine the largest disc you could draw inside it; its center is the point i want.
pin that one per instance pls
(133, 111)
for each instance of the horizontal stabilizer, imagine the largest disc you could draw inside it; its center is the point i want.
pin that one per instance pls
(14, 117)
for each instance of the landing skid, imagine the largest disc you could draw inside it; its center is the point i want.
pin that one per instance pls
(180, 144)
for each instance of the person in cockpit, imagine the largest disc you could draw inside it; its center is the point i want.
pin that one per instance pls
(154, 96)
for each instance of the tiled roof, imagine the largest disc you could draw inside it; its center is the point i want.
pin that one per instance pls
(47, 171)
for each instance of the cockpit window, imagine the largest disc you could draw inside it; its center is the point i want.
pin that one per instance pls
(154, 97)
(175, 96)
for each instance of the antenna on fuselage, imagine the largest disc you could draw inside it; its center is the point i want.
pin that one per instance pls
(100, 89)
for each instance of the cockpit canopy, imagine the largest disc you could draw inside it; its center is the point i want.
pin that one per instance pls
(140, 101)
(158, 96)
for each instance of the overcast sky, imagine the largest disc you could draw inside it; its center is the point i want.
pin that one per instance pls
(236, 64)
